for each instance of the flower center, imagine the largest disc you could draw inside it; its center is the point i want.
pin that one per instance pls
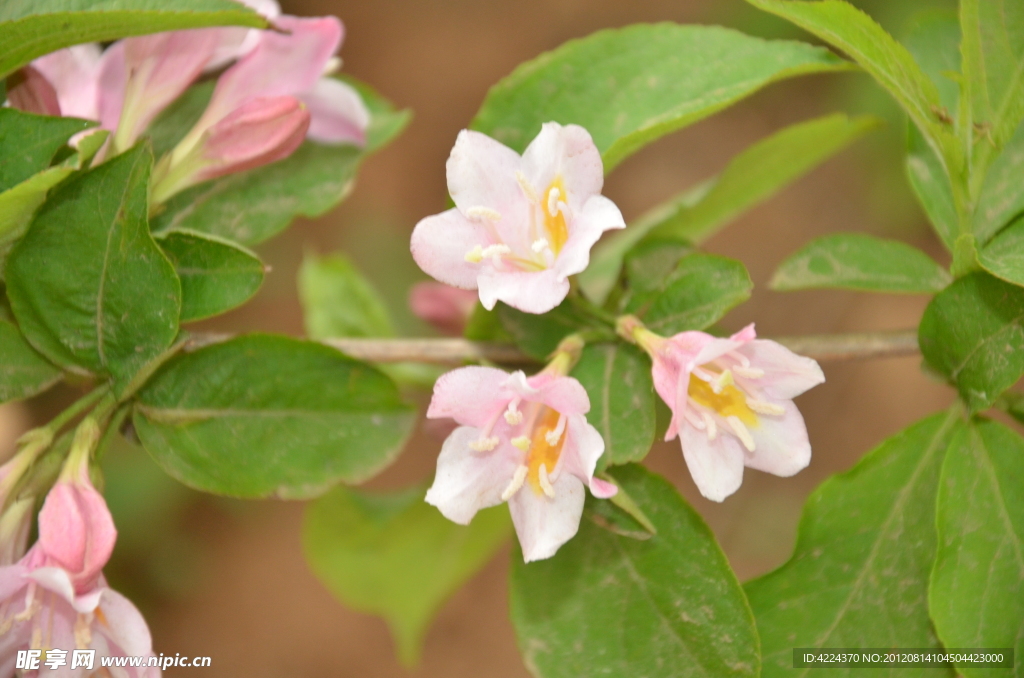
(730, 401)
(545, 449)
(554, 207)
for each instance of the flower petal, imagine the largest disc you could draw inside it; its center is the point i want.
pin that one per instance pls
(470, 395)
(781, 446)
(482, 173)
(598, 215)
(544, 523)
(468, 481)
(125, 625)
(563, 394)
(439, 246)
(74, 73)
(531, 292)
(716, 465)
(567, 152)
(338, 114)
(786, 374)
(582, 448)
(603, 489)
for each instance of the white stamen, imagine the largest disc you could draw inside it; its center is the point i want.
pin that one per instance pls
(710, 425)
(540, 245)
(332, 66)
(545, 483)
(564, 209)
(480, 213)
(721, 381)
(513, 416)
(484, 444)
(528, 191)
(749, 372)
(739, 357)
(517, 482)
(522, 442)
(555, 434)
(763, 407)
(475, 255)
(496, 251)
(553, 201)
(703, 374)
(741, 432)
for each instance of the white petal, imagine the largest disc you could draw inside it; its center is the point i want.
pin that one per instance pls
(716, 466)
(465, 481)
(531, 292)
(567, 152)
(598, 215)
(582, 448)
(337, 113)
(126, 627)
(482, 173)
(786, 374)
(74, 74)
(781, 446)
(470, 395)
(543, 523)
(440, 243)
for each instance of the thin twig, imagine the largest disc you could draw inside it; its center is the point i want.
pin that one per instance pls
(826, 347)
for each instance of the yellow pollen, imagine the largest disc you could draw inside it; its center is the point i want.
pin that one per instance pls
(554, 225)
(541, 451)
(730, 402)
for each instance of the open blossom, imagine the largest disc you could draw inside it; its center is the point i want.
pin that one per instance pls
(732, 403)
(521, 440)
(521, 225)
(55, 596)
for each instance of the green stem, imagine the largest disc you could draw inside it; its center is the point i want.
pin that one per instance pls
(76, 408)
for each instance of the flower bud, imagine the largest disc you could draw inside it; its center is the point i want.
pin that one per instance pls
(446, 308)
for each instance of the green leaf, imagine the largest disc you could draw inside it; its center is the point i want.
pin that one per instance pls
(844, 26)
(1002, 196)
(1004, 256)
(1013, 405)
(23, 372)
(90, 288)
(993, 54)
(32, 28)
(613, 605)
(977, 586)
(933, 39)
(361, 545)
(253, 206)
(697, 294)
(539, 335)
(932, 188)
(632, 85)
(263, 415)
(859, 574)
(973, 333)
(617, 377)
(216, 274)
(28, 143)
(337, 301)
(857, 261)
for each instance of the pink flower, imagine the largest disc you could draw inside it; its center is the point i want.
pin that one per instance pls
(521, 440)
(28, 90)
(521, 225)
(74, 74)
(732, 403)
(446, 308)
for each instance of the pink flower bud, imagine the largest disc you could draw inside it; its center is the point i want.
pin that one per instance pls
(446, 308)
(29, 90)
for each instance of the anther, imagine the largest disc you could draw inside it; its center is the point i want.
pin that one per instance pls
(749, 372)
(484, 444)
(480, 213)
(522, 442)
(553, 201)
(475, 255)
(545, 482)
(763, 407)
(496, 251)
(741, 432)
(540, 245)
(513, 416)
(517, 482)
(528, 191)
(332, 66)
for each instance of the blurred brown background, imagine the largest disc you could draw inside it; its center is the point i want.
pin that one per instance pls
(227, 578)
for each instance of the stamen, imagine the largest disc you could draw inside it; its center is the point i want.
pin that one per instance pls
(564, 209)
(553, 201)
(739, 357)
(545, 482)
(522, 442)
(540, 245)
(711, 426)
(741, 432)
(496, 251)
(332, 66)
(513, 416)
(475, 255)
(749, 372)
(528, 191)
(517, 482)
(763, 407)
(721, 381)
(695, 421)
(480, 213)
(553, 436)
(83, 632)
(31, 604)
(704, 375)
(484, 444)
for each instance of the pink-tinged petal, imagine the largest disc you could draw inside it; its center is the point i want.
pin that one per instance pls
(28, 90)
(716, 465)
(235, 42)
(339, 115)
(112, 77)
(470, 395)
(786, 374)
(468, 481)
(603, 489)
(781, 446)
(715, 348)
(582, 448)
(125, 625)
(598, 215)
(530, 292)
(13, 578)
(567, 152)
(54, 579)
(445, 307)
(74, 73)
(439, 246)
(562, 394)
(544, 523)
(482, 173)
(746, 334)
(77, 531)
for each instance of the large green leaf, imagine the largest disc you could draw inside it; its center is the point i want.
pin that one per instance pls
(1004, 256)
(23, 372)
(858, 577)
(701, 290)
(252, 206)
(90, 288)
(28, 143)
(977, 587)
(617, 378)
(396, 556)
(32, 28)
(614, 605)
(632, 85)
(857, 261)
(1002, 196)
(973, 333)
(337, 301)
(854, 32)
(263, 415)
(216, 274)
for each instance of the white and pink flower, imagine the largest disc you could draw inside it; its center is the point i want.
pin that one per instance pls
(521, 225)
(524, 440)
(732, 403)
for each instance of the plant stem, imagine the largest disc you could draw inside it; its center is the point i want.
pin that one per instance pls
(76, 408)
